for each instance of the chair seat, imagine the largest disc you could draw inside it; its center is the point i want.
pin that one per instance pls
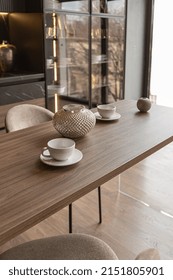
(62, 247)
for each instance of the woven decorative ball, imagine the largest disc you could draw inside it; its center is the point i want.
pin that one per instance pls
(74, 121)
(143, 104)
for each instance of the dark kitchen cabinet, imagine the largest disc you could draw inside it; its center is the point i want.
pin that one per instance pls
(21, 25)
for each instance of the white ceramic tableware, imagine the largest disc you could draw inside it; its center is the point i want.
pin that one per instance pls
(49, 62)
(114, 117)
(59, 148)
(56, 88)
(106, 110)
(75, 157)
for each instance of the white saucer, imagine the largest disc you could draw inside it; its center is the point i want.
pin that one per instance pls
(76, 157)
(115, 116)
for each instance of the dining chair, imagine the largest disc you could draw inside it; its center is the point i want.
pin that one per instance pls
(75, 246)
(26, 115)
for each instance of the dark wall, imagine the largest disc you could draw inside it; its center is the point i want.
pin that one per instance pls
(34, 6)
(4, 34)
(12, 5)
(26, 33)
(21, 6)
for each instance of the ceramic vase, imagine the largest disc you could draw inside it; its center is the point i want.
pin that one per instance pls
(74, 121)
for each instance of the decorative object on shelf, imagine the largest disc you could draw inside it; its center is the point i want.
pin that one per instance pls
(58, 88)
(74, 121)
(143, 104)
(7, 57)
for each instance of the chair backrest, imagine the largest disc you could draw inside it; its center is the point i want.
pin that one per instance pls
(26, 115)
(73, 246)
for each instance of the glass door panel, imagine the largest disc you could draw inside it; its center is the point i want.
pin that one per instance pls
(81, 6)
(107, 59)
(67, 50)
(84, 44)
(114, 7)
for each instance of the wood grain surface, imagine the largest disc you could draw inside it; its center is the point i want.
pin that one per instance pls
(31, 191)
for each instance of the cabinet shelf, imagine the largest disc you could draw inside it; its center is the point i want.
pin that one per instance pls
(76, 39)
(68, 65)
(11, 78)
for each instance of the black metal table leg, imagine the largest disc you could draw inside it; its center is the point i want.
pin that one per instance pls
(70, 218)
(100, 205)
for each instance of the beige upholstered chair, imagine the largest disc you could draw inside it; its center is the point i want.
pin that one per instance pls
(149, 254)
(26, 115)
(68, 247)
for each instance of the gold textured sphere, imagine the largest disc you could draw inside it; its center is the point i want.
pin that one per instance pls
(143, 104)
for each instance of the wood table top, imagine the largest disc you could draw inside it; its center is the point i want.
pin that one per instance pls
(31, 191)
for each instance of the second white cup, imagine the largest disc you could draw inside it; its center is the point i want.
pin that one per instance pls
(106, 110)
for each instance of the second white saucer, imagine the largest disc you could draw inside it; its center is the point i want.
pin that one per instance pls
(115, 116)
(76, 157)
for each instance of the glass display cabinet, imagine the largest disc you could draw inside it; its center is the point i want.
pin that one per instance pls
(84, 51)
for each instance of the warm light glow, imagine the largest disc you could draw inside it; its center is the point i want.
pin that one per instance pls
(55, 62)
(118, 89)
(55, 47)
(56, 102)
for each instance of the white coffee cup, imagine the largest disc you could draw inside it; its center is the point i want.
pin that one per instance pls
(106, 110)
(59, 148)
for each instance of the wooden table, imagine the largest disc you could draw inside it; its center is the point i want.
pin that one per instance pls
(31, 191)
